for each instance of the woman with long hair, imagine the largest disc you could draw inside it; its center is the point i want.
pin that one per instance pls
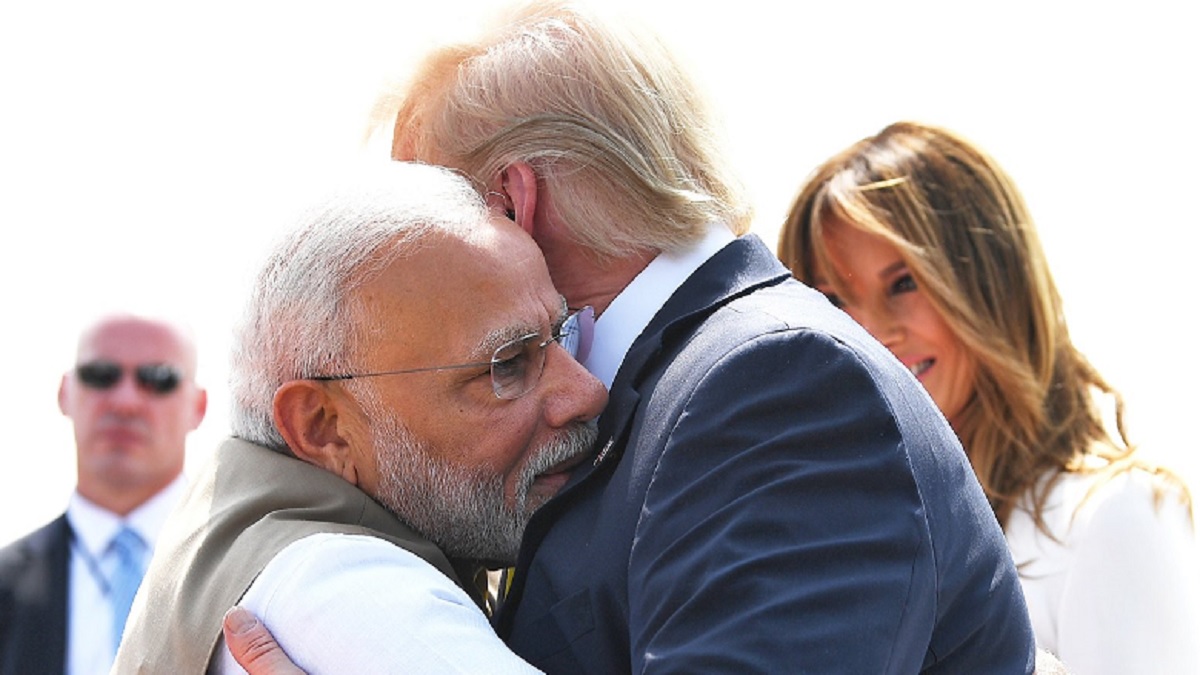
(924, 240)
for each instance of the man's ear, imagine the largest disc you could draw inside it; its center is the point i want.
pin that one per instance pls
(307, 417)
(63, 406)
(520, 184)
(199, 407)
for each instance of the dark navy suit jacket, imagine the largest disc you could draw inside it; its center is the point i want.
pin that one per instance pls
(775, 493)
(33, 601)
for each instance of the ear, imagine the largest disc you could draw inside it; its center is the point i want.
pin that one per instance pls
(62, 396)
(520, 184)
(199, 407)
(307, 417)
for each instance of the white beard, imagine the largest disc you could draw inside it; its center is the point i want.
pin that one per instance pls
(459, 508)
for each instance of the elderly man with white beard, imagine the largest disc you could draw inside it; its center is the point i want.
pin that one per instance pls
(402, 405)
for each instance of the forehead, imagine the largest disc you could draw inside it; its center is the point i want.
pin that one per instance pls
(848, 244)
(457, 289)
(131, 340)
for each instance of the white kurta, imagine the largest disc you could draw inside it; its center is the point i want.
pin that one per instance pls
(1119, 591)
(342, 603)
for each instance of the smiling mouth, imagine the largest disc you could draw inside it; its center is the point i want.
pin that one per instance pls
(920, 367)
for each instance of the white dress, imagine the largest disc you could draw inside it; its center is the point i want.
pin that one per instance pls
(1119, 591)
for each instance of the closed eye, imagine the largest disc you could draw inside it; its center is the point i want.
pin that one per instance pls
(509, 361)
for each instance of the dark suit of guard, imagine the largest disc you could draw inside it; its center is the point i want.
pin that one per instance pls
(33, 601)
(775, 493)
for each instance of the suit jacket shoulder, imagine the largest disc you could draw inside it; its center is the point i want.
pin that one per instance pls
(767, 462)
(33, 600)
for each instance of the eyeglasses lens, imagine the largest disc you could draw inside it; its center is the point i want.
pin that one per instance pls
(577, 333)
(516, 366)
(157, 378)
(99, 374)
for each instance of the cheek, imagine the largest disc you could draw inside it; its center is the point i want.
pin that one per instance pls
(86, 414)
(948, 344)
(924, 320)
(493, 440)
(959, 369)
(509, 444)
(964, 372)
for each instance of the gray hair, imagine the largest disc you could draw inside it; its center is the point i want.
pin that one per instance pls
(302, 319)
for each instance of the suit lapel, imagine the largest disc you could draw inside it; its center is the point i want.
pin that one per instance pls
(37, 637)
(741, 267)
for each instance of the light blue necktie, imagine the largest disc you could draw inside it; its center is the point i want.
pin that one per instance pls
(130, 551)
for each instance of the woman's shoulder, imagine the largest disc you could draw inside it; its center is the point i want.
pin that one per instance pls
(1101, 516)
(1127, 498)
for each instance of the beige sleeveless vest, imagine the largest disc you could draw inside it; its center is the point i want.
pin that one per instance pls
(246, 506)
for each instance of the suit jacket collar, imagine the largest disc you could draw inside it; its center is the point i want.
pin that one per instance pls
(631, 311)
(738, 269)
(741, 267)
(34, 573)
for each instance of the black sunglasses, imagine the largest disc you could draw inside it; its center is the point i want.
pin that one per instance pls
(157, 378)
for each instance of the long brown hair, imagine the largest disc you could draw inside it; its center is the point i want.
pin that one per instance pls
(963, 229)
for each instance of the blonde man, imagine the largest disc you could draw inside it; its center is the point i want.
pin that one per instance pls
(772, 492)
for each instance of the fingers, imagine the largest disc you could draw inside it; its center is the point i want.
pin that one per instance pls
(253, 646)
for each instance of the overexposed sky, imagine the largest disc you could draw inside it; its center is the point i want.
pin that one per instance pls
(149, 153)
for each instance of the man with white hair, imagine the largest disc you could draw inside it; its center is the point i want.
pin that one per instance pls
(402, 405)
(774, 491)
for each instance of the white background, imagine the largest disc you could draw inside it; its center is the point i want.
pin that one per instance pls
(149, 151)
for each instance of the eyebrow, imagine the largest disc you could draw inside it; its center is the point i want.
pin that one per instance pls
(563, 310)
(494, 339)
(892, 269)
(883, 274)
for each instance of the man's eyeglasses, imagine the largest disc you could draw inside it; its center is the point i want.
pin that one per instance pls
(156, 378)
(577, 333)
(516, 366)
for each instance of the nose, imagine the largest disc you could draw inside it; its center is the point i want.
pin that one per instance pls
(125, 396)
(574, 394)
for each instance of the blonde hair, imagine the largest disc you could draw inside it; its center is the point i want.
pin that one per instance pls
(962, 228)
(603, 114)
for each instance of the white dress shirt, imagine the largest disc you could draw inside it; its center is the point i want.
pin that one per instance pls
(341, 603)
(1117, 588)
(89, 615)
(631, 311)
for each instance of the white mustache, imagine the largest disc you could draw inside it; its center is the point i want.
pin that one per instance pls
(572, 443)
